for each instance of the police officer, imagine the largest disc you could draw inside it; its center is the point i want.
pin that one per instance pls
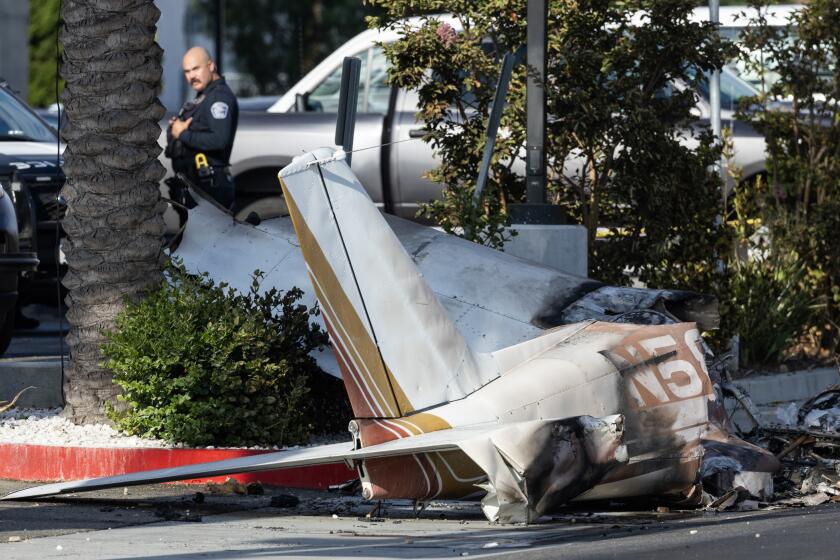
(206, 125)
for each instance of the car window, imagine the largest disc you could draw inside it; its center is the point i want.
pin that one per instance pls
(732, 89)
(17, 123)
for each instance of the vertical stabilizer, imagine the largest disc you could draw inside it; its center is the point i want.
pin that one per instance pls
(397, 348)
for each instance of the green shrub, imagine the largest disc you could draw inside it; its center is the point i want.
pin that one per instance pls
(799, 116)
(201, 364)
(770, 305)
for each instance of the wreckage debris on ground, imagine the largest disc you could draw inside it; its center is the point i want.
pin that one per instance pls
(809, 450)
(806, 442)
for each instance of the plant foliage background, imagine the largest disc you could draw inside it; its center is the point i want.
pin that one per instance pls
(629, 161)
(43, 32)
(618, 159)
(798, 205)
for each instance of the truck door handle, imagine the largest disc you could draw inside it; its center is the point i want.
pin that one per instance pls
(417, 133)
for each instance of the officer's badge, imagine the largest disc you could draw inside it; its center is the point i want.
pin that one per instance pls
(219, 110)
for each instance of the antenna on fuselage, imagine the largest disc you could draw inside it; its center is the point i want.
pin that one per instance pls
(347, 99)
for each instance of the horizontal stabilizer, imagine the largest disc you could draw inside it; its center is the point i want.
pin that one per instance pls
(528, 464)
(442, 440)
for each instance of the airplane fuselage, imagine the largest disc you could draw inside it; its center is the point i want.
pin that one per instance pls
(654, 376)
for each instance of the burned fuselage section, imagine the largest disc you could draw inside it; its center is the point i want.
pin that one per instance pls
(605, 411)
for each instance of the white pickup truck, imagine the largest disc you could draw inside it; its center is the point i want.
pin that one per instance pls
(304, 119)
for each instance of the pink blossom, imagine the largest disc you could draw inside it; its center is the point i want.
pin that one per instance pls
(446, 34)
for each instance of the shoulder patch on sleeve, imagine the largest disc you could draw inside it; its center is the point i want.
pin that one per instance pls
(219, 110)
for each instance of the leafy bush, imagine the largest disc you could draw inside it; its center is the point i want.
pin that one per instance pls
(766, 295)
(771, 306)
(201, 364)
(799, 115)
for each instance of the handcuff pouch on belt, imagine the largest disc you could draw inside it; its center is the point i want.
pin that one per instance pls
(204, 171)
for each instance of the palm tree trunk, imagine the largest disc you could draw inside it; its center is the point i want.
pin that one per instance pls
(114, 221)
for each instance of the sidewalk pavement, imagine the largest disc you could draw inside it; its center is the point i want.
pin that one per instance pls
(34, 359)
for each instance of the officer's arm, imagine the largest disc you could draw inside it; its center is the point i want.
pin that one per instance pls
(221, 128)
(169, 151)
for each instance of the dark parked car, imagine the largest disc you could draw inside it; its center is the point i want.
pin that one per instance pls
(13, 262)
(31, 176)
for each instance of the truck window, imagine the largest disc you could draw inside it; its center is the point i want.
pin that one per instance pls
(324, 98)
(378, 90)
(373, 89)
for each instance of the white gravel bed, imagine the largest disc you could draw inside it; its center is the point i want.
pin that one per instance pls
(47, 427)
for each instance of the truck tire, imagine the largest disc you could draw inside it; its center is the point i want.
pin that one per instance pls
(7, 327)
(266, 208)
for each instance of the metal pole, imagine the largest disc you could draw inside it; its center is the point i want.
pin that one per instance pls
(220, 34)
(535, 101)
(493, 124)
(714, 80)
(714, 102)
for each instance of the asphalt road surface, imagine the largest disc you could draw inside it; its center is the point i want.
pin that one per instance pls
(171, 522)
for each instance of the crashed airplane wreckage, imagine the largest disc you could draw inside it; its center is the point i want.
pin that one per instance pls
(587, 410)
(493, 298)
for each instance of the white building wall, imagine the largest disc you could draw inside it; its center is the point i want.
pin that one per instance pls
(173, 38)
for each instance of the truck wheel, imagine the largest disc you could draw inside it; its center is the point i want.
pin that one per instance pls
(265, 208)
(7, 327)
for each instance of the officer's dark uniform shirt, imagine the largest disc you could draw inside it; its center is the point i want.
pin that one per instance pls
(215, 114)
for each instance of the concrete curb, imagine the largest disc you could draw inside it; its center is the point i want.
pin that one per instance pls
(769, 391)
(49, 463)
(785, 387)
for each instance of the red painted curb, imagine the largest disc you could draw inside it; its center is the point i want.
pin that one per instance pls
(48, 463)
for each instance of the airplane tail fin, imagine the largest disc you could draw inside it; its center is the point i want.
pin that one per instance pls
(397, 348)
